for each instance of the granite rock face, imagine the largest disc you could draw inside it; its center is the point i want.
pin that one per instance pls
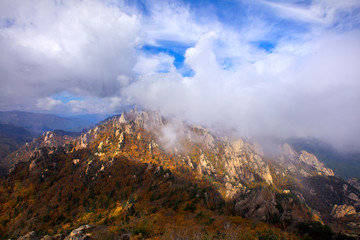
(293, 161)
(258, 205)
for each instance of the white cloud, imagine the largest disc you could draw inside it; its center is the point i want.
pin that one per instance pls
(201, 58)
(124, 80)
(174, 21)
(307, 84)
(282, 94)
(313, 13)
(153, 63)
(323, 12)
(48, 103)
(78, 47)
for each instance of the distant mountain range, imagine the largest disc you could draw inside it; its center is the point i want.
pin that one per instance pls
(18, 128)
(40, 122)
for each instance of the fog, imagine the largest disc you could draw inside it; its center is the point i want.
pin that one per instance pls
(314, 95)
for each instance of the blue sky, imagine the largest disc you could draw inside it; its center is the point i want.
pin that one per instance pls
(269, 67)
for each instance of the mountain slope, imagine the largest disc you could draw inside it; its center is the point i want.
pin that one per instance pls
(156, 177)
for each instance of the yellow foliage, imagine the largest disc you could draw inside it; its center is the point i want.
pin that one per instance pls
(86, 218)
(117, 211)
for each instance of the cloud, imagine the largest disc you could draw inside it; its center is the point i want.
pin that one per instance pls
(175, 22)
(78, 47)
(312, 13)
(48, 103)
(323, 12)
(283, 94)
(82, 106)
(278, 69)
(154, 63)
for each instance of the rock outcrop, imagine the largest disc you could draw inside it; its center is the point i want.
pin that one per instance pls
(83, 141)
(259, 205)
(241, 157)
(339, 211)
(312, 161)
(80, 233)
(293, 161)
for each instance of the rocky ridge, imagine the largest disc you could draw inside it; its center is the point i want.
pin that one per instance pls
(255, 186)
(234, 163)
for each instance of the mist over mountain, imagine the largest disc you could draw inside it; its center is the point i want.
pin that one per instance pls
(143, 175)
(179, 119)
(346, 165)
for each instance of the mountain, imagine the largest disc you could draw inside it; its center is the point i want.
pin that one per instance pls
(18, 128)
(39, 122)
(49, 140)
(12, 137)
(141, 175)
(344, 164)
